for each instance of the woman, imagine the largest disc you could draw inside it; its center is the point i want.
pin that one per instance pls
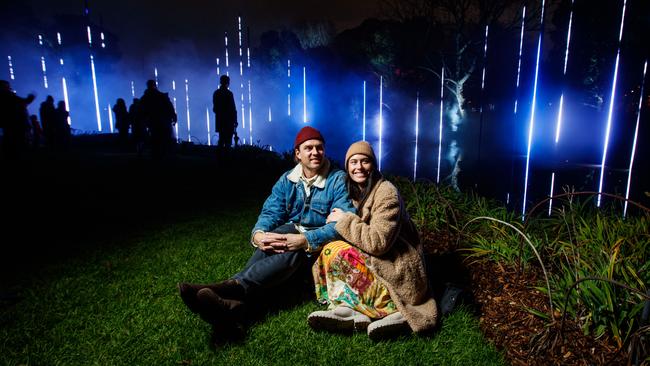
(122, 122)
(375, 279)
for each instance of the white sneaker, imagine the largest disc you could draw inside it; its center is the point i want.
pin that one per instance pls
(388, 327)
(342, 318)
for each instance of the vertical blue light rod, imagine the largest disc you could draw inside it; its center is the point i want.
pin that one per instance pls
(110, 118)
(364, 111)
(566, 60)
(11, 68)
(207, 125)
(611, 109)
(531, 124)
(289, 88)
(381, 116)
(636, 134)
(250, 113)
(417, 126)
(521, 44)
(442, 94)
(187, 109)
(65, 98)
(92, 69)
(304, 94)
(550, 201)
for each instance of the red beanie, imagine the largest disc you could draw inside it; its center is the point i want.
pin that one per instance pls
(307, 133)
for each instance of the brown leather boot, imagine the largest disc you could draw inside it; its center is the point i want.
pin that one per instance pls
(230, 289)
(216, 310)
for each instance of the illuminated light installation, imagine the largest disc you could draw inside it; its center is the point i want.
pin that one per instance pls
(175, 110)
(531, 124)
(304, 94)
(94, 76)
(417, 126)
(110, 117)
(225, 37)
(187, 108)
(218, 68)
(248, 58)
(521, 44)
(289, 88)
(550, 195)
(559, 112)
(381, 116)
(65, 98)
(90, 36)
(155, 74)
(250, 113)
(207, 124)
(241, 75)
(364, 110)
(64, 84)
(11, 68)
(241, 61)
(485, 46)
(611, 109)
(566, 59)
(132, 89)
(442, 94)
(269, 113)
(101, 35)
(99, 118)
(43, 68)
(44, 71)
(243, 111)
(480, 129)
(636, 134)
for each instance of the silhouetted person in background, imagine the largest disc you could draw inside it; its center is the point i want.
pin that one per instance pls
(138, 125)
(47, 112)
(62, 128)
(225, 112)
(36, 131)
(121, 121)
(13, 119)
(158, 112)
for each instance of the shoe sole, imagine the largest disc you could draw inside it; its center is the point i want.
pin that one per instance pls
(336, 324)
(388, 331)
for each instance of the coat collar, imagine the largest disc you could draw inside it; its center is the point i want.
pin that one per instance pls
(321, 178)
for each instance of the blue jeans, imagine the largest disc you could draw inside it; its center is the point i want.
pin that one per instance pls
(267, 270)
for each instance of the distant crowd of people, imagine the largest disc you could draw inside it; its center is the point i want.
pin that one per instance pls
(21, 130)
(148, 121)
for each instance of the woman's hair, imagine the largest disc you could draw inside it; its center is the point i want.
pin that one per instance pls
(361, 194)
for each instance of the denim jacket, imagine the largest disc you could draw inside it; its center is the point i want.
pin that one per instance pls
(286, 204)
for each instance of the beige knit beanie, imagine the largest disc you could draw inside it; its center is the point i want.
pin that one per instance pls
(360, 147)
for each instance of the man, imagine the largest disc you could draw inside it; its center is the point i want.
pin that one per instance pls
(225, 113)
(158, 112)
(14, 119)
(292, 225)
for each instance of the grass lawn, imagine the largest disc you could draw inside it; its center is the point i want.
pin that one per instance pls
(112, 300)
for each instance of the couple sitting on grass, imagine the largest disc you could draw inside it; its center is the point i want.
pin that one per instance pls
(368, 264)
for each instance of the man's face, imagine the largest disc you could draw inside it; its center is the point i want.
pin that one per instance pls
(310, 154)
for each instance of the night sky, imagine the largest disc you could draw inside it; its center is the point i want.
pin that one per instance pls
(143, 26)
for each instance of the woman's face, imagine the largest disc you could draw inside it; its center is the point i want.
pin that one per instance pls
(359, 168)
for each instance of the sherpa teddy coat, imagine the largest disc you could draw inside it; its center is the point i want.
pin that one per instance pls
(384, 230)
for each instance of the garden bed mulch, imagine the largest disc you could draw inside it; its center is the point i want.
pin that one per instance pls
(502, 297)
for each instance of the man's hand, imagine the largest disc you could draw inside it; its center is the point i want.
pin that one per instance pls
(263, 240)
(294, 242)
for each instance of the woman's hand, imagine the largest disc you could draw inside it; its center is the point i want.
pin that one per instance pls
(336, 215)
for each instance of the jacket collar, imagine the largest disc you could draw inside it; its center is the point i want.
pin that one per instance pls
(321, 178)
